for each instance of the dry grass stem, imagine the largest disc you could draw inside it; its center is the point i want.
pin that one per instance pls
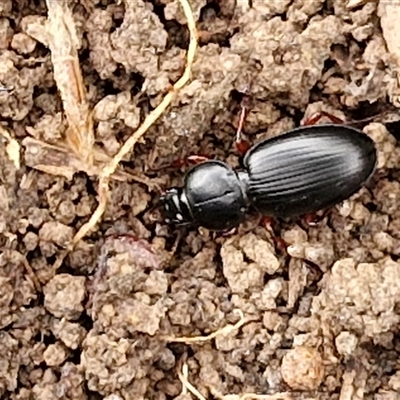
(64, 44)
(58, 160)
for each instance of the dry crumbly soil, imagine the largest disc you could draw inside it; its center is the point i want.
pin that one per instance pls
(320, 322)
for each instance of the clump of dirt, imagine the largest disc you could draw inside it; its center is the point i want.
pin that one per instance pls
(138, 310)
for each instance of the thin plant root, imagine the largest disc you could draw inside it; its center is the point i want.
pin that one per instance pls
(110, 168)
(223, 331)
(188, 387)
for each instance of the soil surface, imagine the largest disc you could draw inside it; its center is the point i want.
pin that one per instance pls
(140, 310)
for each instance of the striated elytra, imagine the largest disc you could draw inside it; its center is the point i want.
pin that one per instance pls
(299, 172)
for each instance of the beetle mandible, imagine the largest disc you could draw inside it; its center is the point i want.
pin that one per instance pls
(302, 171)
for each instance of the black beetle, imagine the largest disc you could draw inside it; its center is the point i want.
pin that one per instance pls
(299, 172)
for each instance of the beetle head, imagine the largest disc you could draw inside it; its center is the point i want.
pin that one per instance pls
(175, 207)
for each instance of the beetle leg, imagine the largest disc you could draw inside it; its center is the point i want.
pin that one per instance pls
(224, 234)
(242, 144)
(183, 162)
(313, 219)
(190, 160)
(318, 115)
(229, 232)
(196, 159)
(280, 244)
(269, 224)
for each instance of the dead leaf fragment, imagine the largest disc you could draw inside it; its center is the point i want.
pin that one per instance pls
(64, 44)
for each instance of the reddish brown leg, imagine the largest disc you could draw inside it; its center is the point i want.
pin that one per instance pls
(280, 244)
(269, 224)
(314, 219)
(318, 115)
(226, 234)
(242, 144)
(196, 159)
(183, 162)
